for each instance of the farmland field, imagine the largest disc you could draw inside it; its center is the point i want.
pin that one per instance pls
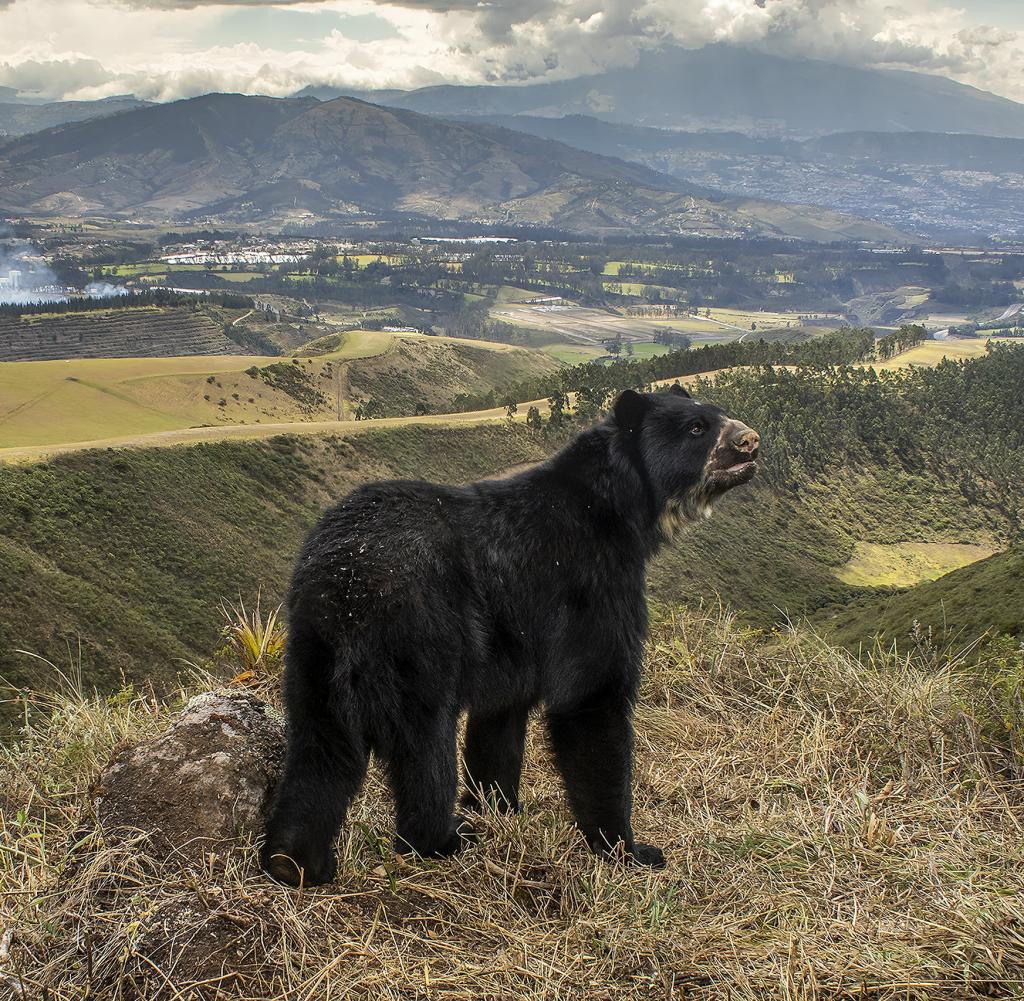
(932, 352)
(590, 324)
(573, 354)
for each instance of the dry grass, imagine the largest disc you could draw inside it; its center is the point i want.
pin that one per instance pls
(833, 830)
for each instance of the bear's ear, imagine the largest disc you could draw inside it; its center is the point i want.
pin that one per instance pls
(678, 390)
(629, 410)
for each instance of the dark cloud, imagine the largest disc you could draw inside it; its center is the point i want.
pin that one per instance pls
(497, 41)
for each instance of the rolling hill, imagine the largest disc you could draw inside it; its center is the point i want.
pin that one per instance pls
(986, 597)
(722, 87)
(238, 158)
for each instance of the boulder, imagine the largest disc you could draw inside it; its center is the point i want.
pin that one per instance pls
(200, 785)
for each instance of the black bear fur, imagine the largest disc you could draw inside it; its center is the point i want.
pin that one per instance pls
(413, 602)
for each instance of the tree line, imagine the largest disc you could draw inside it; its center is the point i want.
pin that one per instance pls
(131, 300)
(591, 386)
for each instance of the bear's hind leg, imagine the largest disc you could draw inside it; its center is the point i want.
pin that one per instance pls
(593, 746)
(325, 765)
(424, 778)
(493, 759)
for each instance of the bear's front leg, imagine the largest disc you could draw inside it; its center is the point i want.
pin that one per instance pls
(593, 746)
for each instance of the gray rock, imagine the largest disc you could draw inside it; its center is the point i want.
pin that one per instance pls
(201, 784)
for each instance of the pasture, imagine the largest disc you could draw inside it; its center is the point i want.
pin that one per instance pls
(932, 352)
(44, 402)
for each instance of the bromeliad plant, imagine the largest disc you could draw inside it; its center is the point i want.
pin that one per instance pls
(254, 642)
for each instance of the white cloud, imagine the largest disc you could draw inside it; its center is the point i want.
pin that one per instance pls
(163, 49)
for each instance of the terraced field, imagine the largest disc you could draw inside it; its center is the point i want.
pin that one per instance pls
(146, 332)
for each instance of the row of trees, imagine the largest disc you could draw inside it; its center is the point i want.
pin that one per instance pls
(899, 341)
(148, 297)
(593, 386)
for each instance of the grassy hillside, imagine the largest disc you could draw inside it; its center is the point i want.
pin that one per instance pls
(831, 830)
(429, 373)
(88, 399)
(985, 597)
(127, 555)
(130, 553)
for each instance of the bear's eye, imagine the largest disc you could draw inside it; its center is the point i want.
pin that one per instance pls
(697, 430)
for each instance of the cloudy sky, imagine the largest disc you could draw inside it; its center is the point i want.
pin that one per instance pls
(166, 49)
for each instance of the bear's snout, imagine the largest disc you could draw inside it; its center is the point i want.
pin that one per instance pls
(744, 439)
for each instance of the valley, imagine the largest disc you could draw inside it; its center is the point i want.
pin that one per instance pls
(695, 713)
(808, 540)
(258, 254)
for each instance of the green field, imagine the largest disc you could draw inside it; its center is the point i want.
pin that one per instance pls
(645, 349)
(574, 354)
(628, 288)
(903, 564)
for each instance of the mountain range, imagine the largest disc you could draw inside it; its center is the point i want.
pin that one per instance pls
(785, 147)
(234, 158)
(727, 88)
(957, 187)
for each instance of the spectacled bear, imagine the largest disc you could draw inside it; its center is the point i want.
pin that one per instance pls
(413, 602)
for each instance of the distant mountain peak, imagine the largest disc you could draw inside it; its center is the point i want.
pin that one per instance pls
(723, 87)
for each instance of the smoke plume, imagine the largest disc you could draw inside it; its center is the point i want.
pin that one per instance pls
(25, 276)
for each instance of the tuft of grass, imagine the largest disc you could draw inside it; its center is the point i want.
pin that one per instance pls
(834, 829)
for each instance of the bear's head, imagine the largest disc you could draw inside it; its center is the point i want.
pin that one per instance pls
(691, 453)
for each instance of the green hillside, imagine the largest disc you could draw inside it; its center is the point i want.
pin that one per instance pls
(123, 557)
(130, 553)
(984, 598)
